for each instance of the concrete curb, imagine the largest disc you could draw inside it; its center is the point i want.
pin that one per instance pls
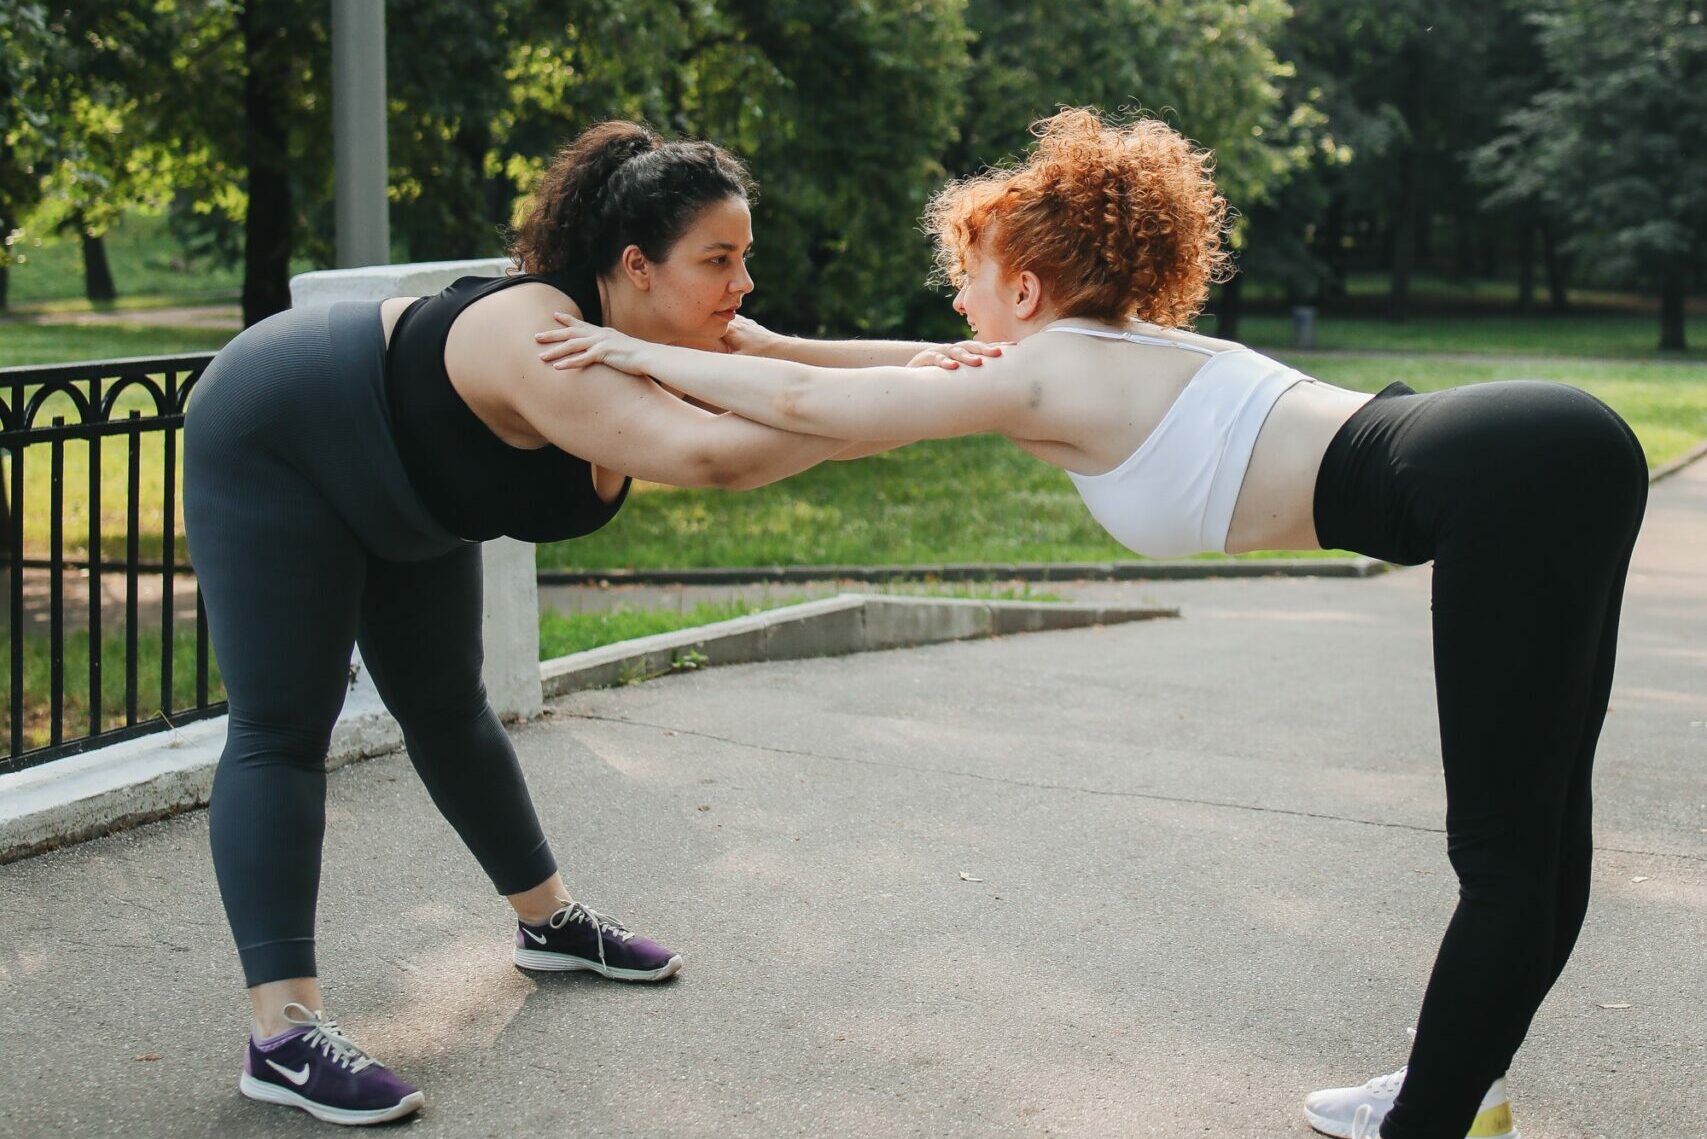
(979, 571)
(1678, 464)
(142, 780)
(835, 626)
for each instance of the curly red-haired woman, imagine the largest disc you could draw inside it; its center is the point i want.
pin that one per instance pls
(1094, 255)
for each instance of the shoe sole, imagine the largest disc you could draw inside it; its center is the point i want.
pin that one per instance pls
(271, 1093)
(1343, 1130)
(540, 961)
(1327, 1126)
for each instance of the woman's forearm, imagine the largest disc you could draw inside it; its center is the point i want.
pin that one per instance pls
(844, 353)
(785, 394)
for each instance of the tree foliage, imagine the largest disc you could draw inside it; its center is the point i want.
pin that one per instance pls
(1617, 143)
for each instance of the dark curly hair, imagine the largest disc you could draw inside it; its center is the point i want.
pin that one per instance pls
(1117, 221)
(620, 184)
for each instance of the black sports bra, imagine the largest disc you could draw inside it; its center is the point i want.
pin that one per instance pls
(473, 483)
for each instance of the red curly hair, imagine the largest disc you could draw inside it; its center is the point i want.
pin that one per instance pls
(1116, 221)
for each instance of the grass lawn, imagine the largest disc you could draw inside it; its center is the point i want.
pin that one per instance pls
(1615, 335)
(144, 258)
(75, 715)
(22, 343)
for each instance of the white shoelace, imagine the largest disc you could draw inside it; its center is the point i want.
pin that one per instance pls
(1364, 1125)
(576, 911)
(328, 1037)
(1388, 1085)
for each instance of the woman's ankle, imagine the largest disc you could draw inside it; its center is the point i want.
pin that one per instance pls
(535, 906)
(268, 1002)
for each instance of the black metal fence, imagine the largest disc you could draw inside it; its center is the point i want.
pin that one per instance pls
(125, 418)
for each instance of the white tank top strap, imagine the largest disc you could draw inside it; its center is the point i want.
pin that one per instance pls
(1136, 338)
(1176, 493)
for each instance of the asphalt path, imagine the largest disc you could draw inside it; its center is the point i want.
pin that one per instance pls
(1160, 879)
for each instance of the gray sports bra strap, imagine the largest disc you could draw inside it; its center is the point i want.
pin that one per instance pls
(1134, 338)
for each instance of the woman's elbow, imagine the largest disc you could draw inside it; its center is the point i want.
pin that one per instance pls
(712, 468)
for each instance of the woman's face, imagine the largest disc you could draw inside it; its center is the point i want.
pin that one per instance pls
(987, 298)
(697, 289)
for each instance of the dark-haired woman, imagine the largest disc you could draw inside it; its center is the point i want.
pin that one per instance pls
(342, 465)
(1180, 443)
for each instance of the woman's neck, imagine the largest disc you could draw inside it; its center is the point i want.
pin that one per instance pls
(1044, 317)
(626, 310)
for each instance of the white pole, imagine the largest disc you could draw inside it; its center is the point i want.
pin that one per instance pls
(358, 132)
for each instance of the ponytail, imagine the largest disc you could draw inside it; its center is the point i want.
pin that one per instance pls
(619, 184)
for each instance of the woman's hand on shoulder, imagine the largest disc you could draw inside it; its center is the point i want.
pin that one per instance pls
(951, 356)
(578, 344)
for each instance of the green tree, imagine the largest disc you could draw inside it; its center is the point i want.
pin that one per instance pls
(1618, 144)
(1407, 86)
(867, 98)
(26, 128)
(1208, 66)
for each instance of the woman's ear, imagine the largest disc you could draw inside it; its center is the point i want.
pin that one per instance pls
(639, 269)
(1028, 297)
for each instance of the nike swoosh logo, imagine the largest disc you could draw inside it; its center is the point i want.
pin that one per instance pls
(533, 935)
(297, 1078)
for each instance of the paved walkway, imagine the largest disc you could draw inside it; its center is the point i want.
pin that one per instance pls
(1152, 880)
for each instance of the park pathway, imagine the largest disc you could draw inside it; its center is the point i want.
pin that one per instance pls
(1147, 880)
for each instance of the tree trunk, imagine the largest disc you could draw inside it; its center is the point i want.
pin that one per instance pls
(1526, 266)
(1558, 268)
(472, 142)
(267, 228)
(1232, 306)
(1334, 289)
(1672, 294)
(1464, 256)
(1492, 242)
(1404, 241)
(97, 274)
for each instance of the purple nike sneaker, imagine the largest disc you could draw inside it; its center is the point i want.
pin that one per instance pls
(317, 1068)
(578, 937)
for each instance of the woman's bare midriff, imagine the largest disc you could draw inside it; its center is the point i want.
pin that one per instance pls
(1276, 506)
(606, 484)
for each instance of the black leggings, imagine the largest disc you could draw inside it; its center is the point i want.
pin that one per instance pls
(308, 539)
(1528, 497)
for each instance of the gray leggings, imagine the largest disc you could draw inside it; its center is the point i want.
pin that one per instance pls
(308, 539)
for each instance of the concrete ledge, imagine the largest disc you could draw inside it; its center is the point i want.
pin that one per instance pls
(379, 282)
(142, 780)
(1676, 465)
(836, 626)
(978, 571)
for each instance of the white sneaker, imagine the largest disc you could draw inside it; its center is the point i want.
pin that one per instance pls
(1356, 1113)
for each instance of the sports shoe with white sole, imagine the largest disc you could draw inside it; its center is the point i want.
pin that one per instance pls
(1356, 1113)
(579, 937)
(317, 1068)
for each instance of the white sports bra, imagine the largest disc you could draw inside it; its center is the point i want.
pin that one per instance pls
(1175, 494)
